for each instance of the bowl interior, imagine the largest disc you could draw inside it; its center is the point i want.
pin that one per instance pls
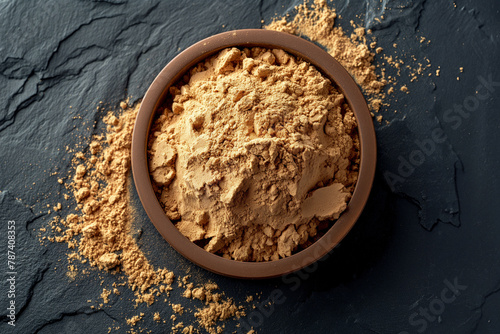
(173, 72)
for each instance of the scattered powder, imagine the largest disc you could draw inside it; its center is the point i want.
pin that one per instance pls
(356, 53)
(135, 319)
(254, 150)
(72, 272)
(179, 328)
(188, 330)
(115, 289)
(177, 308)
(105, 295)
(216, 307)
(100, 227)
(215, 312)
(100, 231)
(317, 22)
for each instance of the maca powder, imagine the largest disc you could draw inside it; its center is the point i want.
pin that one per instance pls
(253, 150)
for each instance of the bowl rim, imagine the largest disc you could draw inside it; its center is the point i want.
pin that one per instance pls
(172, 72)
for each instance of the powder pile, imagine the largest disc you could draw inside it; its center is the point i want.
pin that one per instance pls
(101, 229)
(255, 148)
(317, 22)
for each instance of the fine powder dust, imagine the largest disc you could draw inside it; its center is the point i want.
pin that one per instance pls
(102, 230)
(255, 149)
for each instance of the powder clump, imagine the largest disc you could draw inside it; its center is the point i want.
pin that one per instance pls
(253, 149)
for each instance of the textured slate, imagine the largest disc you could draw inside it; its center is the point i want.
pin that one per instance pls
(434, 225)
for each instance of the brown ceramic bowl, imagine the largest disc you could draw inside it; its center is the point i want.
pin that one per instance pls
(155, 96)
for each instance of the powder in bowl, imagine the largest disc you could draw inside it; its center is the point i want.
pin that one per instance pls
(251, 151)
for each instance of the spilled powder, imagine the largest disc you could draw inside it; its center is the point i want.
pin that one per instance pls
(356, 52)
(105, 295)
(216, 309)
(256, 148)
(100, 227)
(135, 319)
(99, 230)
(317, 22)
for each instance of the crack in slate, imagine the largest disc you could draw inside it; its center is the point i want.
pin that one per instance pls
(458, 166)
(73, 33)
(36, 96)
(368, 328)
(10, 117)
(10, 66)
(57, 79)
(147, 12)
(419, 15)
(68, 314)
(38, 278)
(79, 51)
(111, 316)
(71, 75)
(479, 308)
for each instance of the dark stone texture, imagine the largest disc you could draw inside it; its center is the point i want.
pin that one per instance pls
(426, 227)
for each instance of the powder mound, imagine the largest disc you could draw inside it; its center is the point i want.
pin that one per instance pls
(253, 148)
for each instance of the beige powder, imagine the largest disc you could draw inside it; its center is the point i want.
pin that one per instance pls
(216, 309)
(135, 319)
(177, 308)
(105, 295)
(317, 22)
(256, 148)
(100, 228)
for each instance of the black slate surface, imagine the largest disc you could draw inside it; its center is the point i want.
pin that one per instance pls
(424, 257)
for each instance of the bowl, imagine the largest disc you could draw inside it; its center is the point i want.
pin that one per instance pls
(156, 94)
